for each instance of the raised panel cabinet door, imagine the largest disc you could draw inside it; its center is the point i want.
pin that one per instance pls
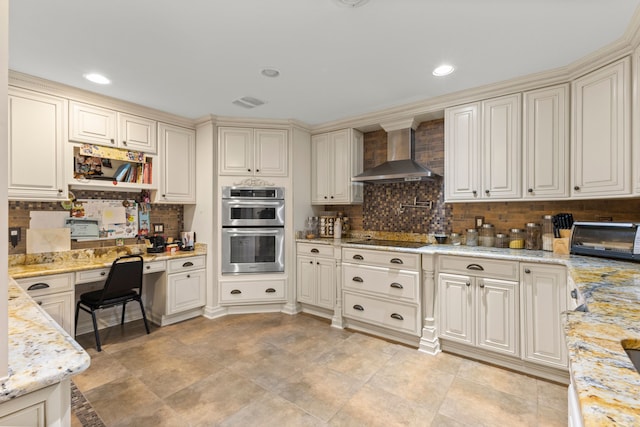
(306, 279)
(137, 133)
(601, 137)
(546, 142)
(92, 125)
(60, 307)
(271, 151)
(236, 151)
(462, 152)
(456, 307)
(178, 160)
(326, 282)
(501, 148)
(321, 171)
(498, 316)
(185, 291)
(35, 146)
(544, 298)
(341, 166)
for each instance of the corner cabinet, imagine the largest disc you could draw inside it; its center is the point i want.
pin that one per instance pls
(177, 164)
(36, 139)
(601, 133)
(335, 158)
(253, 152)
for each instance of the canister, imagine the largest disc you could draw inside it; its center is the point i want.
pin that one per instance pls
(533, 241)
(502, 240)
(455, 239)
(487, 235)
(472, 237)
(547, 233)
(516, 238)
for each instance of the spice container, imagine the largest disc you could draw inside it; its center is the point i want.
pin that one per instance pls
(532, 241)
(472, 237)
(547, 233)
(455, 239)
(502, 240)
(487, 235)
(516, 238)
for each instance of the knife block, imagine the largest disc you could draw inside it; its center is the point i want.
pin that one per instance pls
(561, 245)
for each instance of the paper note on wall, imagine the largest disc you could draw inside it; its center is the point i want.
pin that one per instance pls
(47, 219)
(114, 215)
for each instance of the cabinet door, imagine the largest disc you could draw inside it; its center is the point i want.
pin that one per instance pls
(186, 291)
(60, 307)
(340, 166)
(178, 164)
(235, 151)
(92, 125)
(601, 143)
(306, 279)
(321, 176)
(462, 155)
(501, 148)
(455, 300)
(271, 152)
(137, 133)
(498, 325)
(326, 282)
(36, 146)
(546, 142)
(544, 298)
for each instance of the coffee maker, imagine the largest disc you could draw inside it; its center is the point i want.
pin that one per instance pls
(188, 239)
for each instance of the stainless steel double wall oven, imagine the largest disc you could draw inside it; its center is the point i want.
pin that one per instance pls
(252, 229)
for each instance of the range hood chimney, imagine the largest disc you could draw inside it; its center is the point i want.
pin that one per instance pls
(400, 165)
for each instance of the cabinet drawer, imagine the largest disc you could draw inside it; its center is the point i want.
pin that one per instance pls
(154, 267)
(390, 283)
(480, 267)
(315, 249)
(394, 315)
(252, 292)
(382, 258)
(89, 276)
(44, 285)
(185, 264)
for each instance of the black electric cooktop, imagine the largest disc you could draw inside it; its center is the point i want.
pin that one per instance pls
(388, 243)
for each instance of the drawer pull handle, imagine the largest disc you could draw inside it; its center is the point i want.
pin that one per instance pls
(41, 285)
(358, 307)
(574, 294)
(396, 261)
(235, 292)
(270, 290)
(357, 279)
(397, 316)
(315, 251)
(526, 270)
(476, 267)
(360, 257)
(396, 285)
(188, 264)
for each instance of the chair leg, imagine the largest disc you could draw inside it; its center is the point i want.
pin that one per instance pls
(75, 327)
(144, 317)
(124, 306)
(95, 330)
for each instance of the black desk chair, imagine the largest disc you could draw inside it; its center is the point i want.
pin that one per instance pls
(124, 284)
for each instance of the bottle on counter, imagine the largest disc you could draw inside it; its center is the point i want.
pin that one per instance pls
(472, 237)
(516, 238)
(487, 235)
(547, 233)
(533, 241)
(337, 228)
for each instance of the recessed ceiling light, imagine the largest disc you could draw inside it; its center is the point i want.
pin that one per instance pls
(270, 72)
(443, 70)
(97, 78)
(351, 3)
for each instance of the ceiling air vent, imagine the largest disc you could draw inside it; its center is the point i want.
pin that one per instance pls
(248, 102)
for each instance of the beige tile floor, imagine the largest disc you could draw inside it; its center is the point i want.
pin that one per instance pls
(280, 370)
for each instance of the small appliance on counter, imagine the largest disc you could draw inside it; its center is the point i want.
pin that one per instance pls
(155, 245)
(188, 239)
(618, 240)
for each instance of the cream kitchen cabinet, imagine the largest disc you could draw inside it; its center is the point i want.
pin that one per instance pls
(601, 132)
(97, 125)
(177, 164)
(240, 292)
(316, 275)
(483, 150)
(543, 299)
(55, 294)
(478, 303)
(335, 158)
(253, 152)
(47, 407)
(36, 125)
(545, 124)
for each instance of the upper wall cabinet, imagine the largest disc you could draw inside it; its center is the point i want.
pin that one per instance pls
(545, 123)
(95, 125)
(177, 164)
(335, 158)
(36, 146)
(462, 152)
(601, 132)
(253, 152)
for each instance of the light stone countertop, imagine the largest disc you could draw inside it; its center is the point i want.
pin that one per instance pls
(41, 353)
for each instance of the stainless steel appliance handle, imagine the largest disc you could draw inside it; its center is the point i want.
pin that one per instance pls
(254, 231)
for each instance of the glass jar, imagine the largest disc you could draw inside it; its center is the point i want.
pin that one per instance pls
(502, 240)
(516, 238)
(547, 233)
(487, 235)
(472, 237)
(311, 227)
(455, 239)
(532, 241)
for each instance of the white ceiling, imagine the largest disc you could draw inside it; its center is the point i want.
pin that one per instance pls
(194, 57)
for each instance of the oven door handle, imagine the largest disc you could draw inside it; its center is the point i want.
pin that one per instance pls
(254, 231)
(254, 203)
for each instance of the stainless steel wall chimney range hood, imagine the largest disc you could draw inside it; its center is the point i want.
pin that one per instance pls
(400, 165)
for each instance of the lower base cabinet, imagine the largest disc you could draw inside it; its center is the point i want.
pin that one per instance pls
(316, 275)
(47, 407)
(55, 294)
(252, 292)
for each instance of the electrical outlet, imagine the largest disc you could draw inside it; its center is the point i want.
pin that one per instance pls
(14, 236)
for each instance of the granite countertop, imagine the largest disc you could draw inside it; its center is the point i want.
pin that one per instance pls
(41, 353)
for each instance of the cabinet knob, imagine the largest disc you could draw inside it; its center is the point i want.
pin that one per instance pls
(482, 284)
(526, 270)
(164, 195)
(325, 197)
(358, 307)
(576, 188)
(257, 170)
(103, 273)
(530, 190)
(124, 143)
(113, 141)
(475, 193)
(332, 197)
(235, 292)
(248, 170)
(486, 192)
(396, 316)
(310, 262)
(59, 190)
(574, 294)
(468, 283)
(148, 267)
(188, 276)
(318, 263)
